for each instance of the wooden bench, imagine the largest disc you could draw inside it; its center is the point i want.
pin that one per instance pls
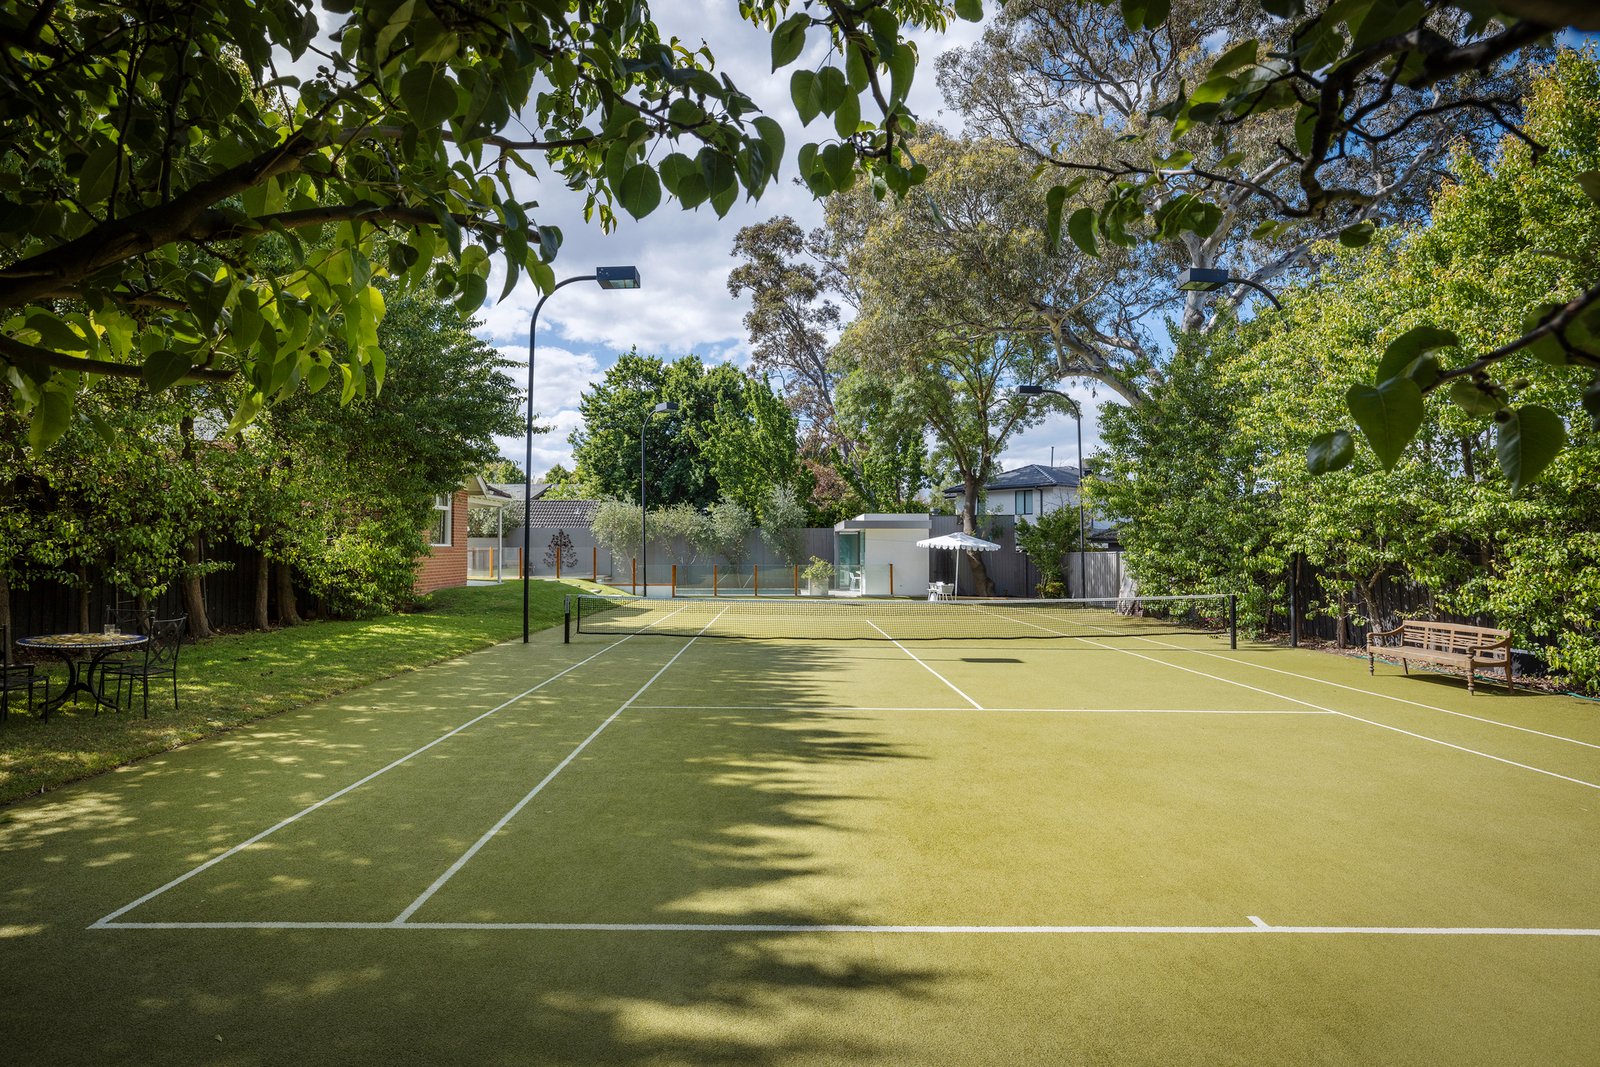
(1449, 644)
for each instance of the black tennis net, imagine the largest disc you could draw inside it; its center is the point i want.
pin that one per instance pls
(868, 619)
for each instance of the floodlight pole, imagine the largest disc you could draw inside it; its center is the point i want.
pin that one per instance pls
(609, 278)
(1077, 417)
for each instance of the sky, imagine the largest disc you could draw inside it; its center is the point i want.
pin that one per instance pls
(684, 257)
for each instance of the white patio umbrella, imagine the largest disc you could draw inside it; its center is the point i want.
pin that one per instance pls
(956, 542)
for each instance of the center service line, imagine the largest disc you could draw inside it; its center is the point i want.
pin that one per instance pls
(924, 666)
(331, 797)
(455, 867)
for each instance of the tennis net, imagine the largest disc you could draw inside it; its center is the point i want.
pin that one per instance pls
(868, 619)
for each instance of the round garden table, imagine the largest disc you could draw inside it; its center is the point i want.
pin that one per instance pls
(77, 650)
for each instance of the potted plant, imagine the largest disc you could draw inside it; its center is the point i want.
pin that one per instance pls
(819, 576)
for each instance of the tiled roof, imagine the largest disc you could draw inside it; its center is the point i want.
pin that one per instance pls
(563, 512)
(1031, 476)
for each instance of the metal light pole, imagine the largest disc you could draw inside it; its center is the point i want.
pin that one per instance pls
(609, 278)
(666, 407)
(1077, 417)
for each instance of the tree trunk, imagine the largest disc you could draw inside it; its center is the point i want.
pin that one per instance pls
(287, 615)
(83, 600)
(5, 601)
(982, 584)
(194, 593)
(263, 573)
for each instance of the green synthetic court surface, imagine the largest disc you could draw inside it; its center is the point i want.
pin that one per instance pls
(671, 850)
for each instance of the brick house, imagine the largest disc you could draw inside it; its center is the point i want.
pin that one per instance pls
(445, 564)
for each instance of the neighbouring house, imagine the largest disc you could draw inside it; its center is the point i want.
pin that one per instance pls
(1027, 492)
(445, 564)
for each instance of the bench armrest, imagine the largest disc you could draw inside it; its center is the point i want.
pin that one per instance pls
(1373, 635)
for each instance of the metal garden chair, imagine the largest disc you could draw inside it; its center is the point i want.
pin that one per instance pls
(15, 677)
(160, 660)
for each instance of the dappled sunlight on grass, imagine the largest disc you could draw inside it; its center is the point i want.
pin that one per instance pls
(232, 679)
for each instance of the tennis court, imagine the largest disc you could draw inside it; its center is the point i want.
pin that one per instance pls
(1095, 840)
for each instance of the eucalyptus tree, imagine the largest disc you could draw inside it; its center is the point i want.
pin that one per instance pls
(161, 162)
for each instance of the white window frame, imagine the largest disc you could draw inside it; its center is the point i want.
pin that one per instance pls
(443, 504)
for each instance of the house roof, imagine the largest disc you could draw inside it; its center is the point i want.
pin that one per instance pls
(514, 489)
(563, 512)
(1031, 476)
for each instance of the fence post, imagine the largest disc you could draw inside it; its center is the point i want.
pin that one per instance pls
(594, 564)
(713, 579)
(1233, 620)
(891, 579)
(558, 563)
(674, 580)
(635, 582)
(755, 578)
(797, 579)
(1294, 600)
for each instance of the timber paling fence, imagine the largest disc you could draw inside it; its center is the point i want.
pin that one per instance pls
(49, 606)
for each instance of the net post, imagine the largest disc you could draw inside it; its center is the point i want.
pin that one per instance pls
(1233, 620)
(755, 578)
(566, 619)
(714, 580)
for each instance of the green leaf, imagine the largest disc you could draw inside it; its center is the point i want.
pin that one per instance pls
(164, 368)
(640, 191)
(1474, 401)
(1081, 228)
(847, 116)
(1054, 201)
(1357, 235)
(674, 168)
(1240, 55)
(789, 40)
(1410, 346)
(1589, 181)
(1389, 416)
(1330, 452)
(1145, 14)
(51, 417)
(969, 10)
(831, 89)
(1591, 402)
(902, 68)
(803, 91)
(1527, 441)
(717, 169)
(428, 94)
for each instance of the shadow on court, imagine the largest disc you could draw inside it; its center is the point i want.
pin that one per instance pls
(695, 818)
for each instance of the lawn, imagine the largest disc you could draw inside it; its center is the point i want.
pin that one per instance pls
(237, 678)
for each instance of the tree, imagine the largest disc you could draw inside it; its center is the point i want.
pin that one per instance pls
(160, 166)
(682, 529)
(729, 525)
(783, 520)
(616, 528)
(727, 426)
(1350, 82)
(1047, 542)
(930, 281)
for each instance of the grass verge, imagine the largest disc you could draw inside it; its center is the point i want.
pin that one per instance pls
(233, 679)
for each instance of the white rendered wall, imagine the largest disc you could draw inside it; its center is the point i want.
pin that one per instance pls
(898, 547)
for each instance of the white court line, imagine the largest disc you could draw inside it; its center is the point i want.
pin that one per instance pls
(1039, 711)
(303, 812)
(925, 667)
(438, 883)
(1307, 703)
(1372, 692)
(1256, 927)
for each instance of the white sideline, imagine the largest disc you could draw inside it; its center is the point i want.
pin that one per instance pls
(465, 857)
(303, 812)
(925, 667)
(1307, 703)
(1038, 711)
(1371, 692)
(1256, 926)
